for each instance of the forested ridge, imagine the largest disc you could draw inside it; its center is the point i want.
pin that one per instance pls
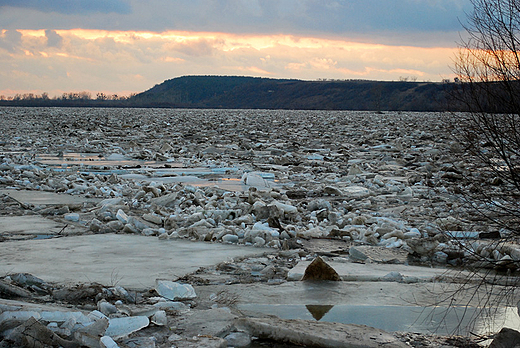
(232, 92)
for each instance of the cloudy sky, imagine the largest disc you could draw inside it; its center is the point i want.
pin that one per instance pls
(125, 46)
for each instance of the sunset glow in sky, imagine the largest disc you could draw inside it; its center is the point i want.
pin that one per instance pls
(125, 46)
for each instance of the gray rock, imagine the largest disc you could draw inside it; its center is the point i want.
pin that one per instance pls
(319, 204)
(95, 225)
(90, 335)
(440, 257)
(115, 225)
(355, 170)
(422, 246)
(230, 238)
(168, 200)
(267, 211)
(110, 202)
(26, 279)
(153, 218)
(138, 224)
(122, 327)
(356, 255)
(159, 318)
(259, 242)
(216, 322)
(238, 339)
(121, 216)
(129, 228)
(106, 308)
(331, 190)
(202, 342)
(171, 306)
(393, 277)
(74, 217)
(356, 192)
(174, 291)
(139, 342)
(107, 342)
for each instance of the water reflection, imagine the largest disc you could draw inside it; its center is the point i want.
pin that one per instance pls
(44, 236)
(68, 160)
(318, 311)
(439, 320)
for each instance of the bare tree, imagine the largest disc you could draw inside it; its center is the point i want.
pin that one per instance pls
(488, 68)
(488, 156)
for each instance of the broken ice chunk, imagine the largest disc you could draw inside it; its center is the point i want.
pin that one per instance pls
(174, 291)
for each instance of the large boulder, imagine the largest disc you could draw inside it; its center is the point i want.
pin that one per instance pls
(320, 270)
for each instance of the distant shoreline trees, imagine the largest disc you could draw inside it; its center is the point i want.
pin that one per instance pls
(79, 99)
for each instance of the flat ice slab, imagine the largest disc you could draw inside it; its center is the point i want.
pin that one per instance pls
(131, 261)
(46, 198)
(308, 333)
(29, 224)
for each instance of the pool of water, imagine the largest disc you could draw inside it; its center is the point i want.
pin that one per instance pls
(439, 320)
(44, 236)
(227, 178)
(67, 160)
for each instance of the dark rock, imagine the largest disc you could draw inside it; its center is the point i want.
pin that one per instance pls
(274, 222)
(268, 211)
(454, 254)
(339, 233)
(322, 214)
(296, 194)
(320, 270)
(290, 244)
(489, 235)
(451, 176)
(506, 338)
(496, 181)
(80, 293)
(357, 255)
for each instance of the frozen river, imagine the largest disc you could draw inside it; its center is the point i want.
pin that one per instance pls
(240, 197)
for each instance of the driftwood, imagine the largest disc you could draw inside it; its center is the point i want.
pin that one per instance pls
(35, 335)
(13, 290)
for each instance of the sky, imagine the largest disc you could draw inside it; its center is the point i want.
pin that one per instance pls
(128, 46)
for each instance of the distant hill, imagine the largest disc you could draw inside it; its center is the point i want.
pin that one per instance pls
(240, 92)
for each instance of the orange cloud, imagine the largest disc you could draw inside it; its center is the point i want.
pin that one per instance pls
(255, 70)
(102, 60)
(172, 59)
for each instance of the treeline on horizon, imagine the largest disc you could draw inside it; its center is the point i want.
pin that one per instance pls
(66, 99)
(241, 92)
